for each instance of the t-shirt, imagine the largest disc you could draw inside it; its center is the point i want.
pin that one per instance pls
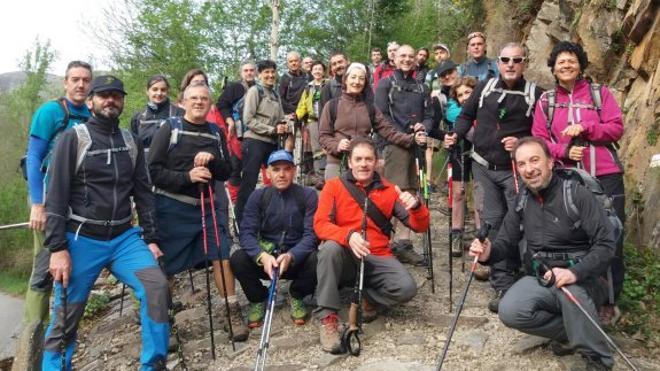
(48, 118)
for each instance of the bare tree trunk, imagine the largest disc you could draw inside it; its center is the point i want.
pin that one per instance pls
(275, 29)
(372, 7)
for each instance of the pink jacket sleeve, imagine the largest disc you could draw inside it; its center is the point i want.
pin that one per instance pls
(611, 128)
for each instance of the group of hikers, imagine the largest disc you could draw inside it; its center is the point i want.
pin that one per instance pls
(157, 199)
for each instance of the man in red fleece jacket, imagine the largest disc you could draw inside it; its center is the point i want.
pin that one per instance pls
(337, 223)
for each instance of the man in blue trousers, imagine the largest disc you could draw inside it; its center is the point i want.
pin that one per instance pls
(96, 168)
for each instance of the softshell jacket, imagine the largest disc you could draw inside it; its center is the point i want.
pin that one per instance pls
(547, 227)
(352, 121)
(495, 121)
(601, 130)
(144, 124)
(99, 189)
(261, 115)
(408, 105)
(291, 88)
(281, 213)
(339, 215)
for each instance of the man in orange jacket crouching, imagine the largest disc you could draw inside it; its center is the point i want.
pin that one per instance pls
(338, 223)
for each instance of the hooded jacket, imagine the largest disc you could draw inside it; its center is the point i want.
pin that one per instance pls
(600, 129)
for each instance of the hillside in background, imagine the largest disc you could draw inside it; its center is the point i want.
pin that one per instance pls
(11, 80)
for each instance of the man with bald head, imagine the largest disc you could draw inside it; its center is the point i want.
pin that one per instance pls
(406, 103)
(292, 83)
(503, 107)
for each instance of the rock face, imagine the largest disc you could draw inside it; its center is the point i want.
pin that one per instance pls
(621, 39)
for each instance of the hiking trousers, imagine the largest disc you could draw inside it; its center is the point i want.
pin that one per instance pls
(255, 153)
(533, 309)
(129, 259)
(497, 194)
(249, 274)
(386, 280)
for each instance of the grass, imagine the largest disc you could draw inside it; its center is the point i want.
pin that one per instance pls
(14, 282)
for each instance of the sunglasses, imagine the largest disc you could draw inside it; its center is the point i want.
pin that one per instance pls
(516, 60)
(476, 34)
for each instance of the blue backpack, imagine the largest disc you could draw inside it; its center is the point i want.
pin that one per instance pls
(237, 111)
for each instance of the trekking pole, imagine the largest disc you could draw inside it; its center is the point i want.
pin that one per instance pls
(14, 226)
(515, 173)
(174, 328)
(121, 302)
(264, 342)
(206, 260)
(232, 213)
(354, 330)
(222, 268)
(464, 196)
(192, 283)
(483, 233)
(574, 300)
(450, 201)
(301, 152)
(420, 165)
(65, 314)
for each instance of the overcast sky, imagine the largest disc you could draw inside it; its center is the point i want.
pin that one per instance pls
(60, 21)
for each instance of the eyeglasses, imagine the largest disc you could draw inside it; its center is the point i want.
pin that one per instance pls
(516, 60)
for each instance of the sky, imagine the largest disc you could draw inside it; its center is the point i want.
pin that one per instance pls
(60, 21)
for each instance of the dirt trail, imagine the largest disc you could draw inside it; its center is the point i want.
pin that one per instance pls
(409, 337)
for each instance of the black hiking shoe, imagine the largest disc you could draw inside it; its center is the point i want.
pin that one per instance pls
(403, 250)
(457, 243)
(560, 349)
(494, 304)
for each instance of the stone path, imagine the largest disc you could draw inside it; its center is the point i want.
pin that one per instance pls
(11, 315)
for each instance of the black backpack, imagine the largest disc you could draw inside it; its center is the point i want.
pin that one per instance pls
(574, 177)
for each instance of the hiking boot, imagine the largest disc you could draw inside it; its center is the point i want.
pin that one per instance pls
(298, 311)
(609, 315)
(494, 304)
(239, 330)
(403, 250)
(369, 312)
(560, 349)
(481, 272)
(315, 180)
(583, 362)
(256, 313)
(457, 243)
(329, 334)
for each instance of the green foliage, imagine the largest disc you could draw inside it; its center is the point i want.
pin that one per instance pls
(653, 132)
(640, 299)
(16, 108)
(96, 304)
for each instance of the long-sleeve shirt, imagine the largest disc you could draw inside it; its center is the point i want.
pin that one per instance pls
(170, 167)
(291, 88)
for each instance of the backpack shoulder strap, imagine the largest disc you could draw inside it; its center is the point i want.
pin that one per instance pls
(129, 141)
(332, 107)
(299, 195)
(488, 88)
(596, 97)
(176, 127)
(372, 211)
(61, 101)
(530, 96)
(551, 95)
(84, 144)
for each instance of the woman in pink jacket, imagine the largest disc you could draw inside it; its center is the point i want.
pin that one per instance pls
(581, 123)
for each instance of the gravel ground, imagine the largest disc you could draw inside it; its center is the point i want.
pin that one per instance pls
(409, 337)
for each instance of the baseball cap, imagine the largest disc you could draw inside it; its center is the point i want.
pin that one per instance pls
(107, 83)
(441, 46)
(445, 67)
(280, 155)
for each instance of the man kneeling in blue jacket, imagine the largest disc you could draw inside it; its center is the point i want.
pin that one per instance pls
(277, 232)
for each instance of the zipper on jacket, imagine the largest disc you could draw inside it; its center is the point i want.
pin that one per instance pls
(114, 188)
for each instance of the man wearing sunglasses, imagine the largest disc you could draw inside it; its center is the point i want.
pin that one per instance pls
(502, 108)
(478, 65)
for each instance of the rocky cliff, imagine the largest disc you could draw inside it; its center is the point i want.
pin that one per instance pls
(621, 39)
